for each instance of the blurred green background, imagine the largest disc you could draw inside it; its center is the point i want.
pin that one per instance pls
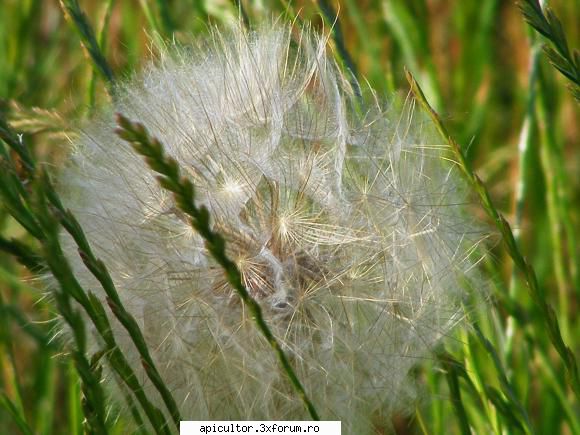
(482, 69)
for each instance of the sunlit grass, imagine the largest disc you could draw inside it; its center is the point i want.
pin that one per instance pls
(481, 68)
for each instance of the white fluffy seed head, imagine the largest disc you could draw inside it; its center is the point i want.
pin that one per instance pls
(345, 219)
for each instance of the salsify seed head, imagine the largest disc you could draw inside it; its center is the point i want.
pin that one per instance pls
(344, 215)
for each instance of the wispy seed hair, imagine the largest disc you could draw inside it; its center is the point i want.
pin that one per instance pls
(344, 215)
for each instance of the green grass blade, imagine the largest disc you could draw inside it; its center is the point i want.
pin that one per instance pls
(99, 270)
(81, 22)
(549, 318)
(452, 376)
(545, 22)
(184, 192)
(15, 413)
(525, 150)
(102, 42)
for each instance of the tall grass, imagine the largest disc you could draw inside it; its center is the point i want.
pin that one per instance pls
(501, 91)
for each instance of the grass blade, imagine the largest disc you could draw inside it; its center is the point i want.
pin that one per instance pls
(73, 11)
(549, 317)
(170, 178)
(545, 22)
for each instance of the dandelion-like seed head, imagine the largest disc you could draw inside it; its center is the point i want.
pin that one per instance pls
(343, 215)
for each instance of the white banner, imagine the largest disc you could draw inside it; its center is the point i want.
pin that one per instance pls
(259, 427)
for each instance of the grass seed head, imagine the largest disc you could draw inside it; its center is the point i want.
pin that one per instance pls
(345, 217)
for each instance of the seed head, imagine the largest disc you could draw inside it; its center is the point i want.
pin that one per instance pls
(344, 216)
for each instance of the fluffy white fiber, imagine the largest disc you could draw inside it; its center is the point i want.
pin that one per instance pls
(345, 218)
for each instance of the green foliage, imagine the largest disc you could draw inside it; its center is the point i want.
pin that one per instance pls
(87, 34)
(504, 110)
(547, 23)
(547, 311)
